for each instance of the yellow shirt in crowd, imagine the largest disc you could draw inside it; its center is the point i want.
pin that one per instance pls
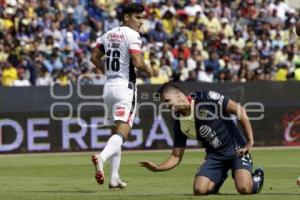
(3, 56)
(169, 25)
(228, 31)
(297, 74)
(213, 25)
(6, 24)
(281, 75)
(9, 75)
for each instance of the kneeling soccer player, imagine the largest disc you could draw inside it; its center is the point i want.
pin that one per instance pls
(206, 117)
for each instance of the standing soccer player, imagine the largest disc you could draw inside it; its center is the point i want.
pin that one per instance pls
(121, 47)
(206, 117)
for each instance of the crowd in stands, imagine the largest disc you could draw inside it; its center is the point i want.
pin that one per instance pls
(48, 41)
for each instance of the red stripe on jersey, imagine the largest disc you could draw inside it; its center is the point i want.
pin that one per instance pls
(132, 51)
(190, 99)
(98, 45)
(129, 118)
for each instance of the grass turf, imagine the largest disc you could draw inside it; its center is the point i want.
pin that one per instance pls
(71, 177)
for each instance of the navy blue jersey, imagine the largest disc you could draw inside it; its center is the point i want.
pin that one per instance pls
(215, 129)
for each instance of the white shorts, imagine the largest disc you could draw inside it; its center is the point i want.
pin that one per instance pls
(121, 103)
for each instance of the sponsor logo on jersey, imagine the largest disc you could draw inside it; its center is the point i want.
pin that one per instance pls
(213, 95)
(120, 111)
(246, 164)
(188, 130)
(220, 102)
(114, 45)
(114, 37)
(210, 136)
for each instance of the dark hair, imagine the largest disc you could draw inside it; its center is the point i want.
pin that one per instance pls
(167, 86)
(131, 8)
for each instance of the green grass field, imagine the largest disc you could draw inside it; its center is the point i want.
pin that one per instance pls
(71, 177)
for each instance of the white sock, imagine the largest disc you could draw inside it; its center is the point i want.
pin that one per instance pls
(113, 145)
(115, 161)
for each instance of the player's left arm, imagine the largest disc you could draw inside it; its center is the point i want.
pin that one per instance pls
(235, 108)
(172, 161)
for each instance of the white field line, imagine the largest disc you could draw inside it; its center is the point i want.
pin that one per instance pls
(138, 151)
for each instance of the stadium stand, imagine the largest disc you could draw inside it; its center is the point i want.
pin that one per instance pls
(46, 41)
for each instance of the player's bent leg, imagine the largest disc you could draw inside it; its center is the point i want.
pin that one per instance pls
(203, 185)
(98, 164)
(219, 184)
(243, 181)
(210, 176)
(112, 146)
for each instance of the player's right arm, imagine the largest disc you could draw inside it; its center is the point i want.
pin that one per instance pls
(97, 53)
(177, 153)
(173, 160)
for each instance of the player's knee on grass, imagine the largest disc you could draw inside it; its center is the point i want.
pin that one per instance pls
(203, 186)
(243, 181)
(200, 191)
(244, 188)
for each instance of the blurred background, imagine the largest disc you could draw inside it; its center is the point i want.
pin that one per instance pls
(46, 41)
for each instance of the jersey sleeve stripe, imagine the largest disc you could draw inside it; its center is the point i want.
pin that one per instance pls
(132, 51)
(98, 45)
(101, 47)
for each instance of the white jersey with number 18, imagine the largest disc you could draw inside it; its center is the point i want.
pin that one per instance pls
(118, 44)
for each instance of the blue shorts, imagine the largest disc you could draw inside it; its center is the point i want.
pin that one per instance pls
(216, 169)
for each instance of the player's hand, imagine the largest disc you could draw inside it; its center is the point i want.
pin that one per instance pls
(244, 151)
(149, 165)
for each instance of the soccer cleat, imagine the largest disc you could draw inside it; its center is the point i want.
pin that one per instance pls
(116, 184)
(259, 172)
(98, 164)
